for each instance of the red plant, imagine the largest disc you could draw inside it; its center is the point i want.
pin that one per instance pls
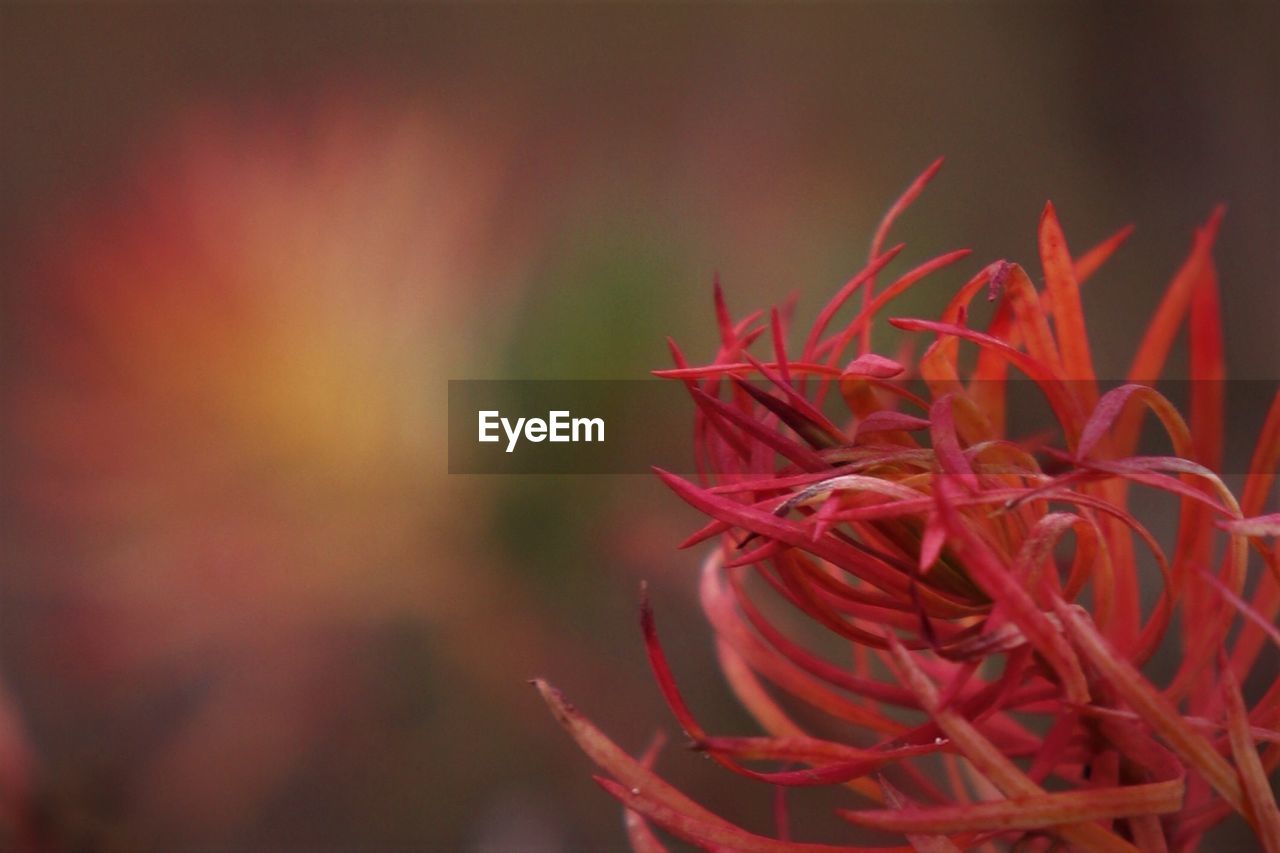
(995, 691)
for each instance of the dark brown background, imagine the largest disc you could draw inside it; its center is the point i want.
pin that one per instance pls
(638, 149)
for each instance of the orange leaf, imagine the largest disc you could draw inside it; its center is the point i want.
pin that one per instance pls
(1261, 803)
(1068, 316)
(1032, 812)
(1157, 711)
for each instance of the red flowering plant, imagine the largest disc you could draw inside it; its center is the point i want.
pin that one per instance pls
(996, 687)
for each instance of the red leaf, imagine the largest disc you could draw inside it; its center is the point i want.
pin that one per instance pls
(904, 201)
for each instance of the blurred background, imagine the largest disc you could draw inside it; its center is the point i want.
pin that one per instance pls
(242, 603)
